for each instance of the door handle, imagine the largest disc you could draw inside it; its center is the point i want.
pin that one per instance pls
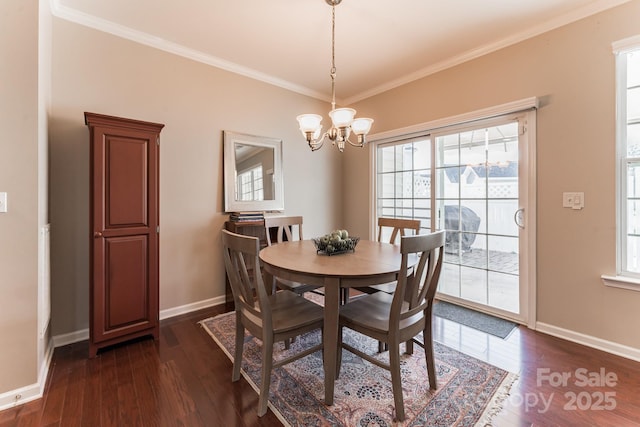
(518, 218)
(97, 234)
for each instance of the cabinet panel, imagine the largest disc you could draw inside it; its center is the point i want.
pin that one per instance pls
(128, 188)
(126, 282)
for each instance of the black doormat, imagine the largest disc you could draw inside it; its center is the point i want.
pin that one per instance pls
(474, 319)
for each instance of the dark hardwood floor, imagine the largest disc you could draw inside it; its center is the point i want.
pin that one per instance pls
(184, 379)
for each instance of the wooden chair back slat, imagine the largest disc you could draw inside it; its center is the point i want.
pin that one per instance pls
(285, 228)
(399, 226)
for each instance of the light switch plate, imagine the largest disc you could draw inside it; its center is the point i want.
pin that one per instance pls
(573, 200)
(3, 201)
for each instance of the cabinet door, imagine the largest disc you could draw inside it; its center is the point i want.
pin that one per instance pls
(124, 292)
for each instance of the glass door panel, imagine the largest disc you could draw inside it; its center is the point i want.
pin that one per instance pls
(477, 198)
(404, 181)
(473, 283)
(502, 287)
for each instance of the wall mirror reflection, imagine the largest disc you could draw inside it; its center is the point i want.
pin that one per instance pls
(252, 173)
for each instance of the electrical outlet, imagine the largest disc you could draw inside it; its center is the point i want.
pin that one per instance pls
(3, 201)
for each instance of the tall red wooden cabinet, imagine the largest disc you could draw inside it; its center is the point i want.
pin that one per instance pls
(124, 230)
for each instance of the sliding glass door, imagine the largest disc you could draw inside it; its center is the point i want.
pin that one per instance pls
(471, 180)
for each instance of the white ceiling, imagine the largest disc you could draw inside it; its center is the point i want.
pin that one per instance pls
(379, 44)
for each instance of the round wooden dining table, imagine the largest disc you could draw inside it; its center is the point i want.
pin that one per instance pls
(370, 263)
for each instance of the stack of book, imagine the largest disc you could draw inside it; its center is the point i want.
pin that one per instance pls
(246, 216)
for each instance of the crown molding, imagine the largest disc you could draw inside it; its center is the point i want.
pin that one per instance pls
(81, 18)
(557, 22)
(91, 21)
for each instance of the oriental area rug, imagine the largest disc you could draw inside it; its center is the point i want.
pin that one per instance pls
(469, 391)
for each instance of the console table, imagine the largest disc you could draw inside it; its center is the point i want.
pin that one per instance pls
(248, 228)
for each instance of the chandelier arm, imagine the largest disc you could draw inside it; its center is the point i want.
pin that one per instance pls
(354, 144)
(317, 143)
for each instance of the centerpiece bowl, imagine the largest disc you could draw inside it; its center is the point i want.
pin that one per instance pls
(325, 246)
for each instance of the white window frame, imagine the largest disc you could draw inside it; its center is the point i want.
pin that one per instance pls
(623, 278)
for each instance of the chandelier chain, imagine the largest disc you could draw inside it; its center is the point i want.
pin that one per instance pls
(333, 57)
(343, 122)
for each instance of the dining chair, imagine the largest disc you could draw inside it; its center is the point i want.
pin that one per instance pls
(399, 228)
(399, 317)
(279, 316)
(284, 229)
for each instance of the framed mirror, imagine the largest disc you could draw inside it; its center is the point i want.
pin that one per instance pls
(252, 173)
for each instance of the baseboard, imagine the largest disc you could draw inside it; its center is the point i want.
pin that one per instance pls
(188, 308)
(71, 337)
(83, 334)
(21, 396)
(31, 392)
(593, 342)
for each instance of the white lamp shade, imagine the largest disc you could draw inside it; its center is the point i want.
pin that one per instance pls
(361, 126)
(342, 117)
(309, 122)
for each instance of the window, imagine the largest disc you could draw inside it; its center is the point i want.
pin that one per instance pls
(628, 151)
(250, 184)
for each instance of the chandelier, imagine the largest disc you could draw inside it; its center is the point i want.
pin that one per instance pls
(343, 120)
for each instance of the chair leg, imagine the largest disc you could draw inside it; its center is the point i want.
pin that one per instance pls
(288, 341)
(237, 358)
(396, 380)
(428, 353)
(338, 353)
(267, 366)
(409, 347)
(382, 347)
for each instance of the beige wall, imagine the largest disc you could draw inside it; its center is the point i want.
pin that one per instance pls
(571, 69)
(19, 178)
(101, 73)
